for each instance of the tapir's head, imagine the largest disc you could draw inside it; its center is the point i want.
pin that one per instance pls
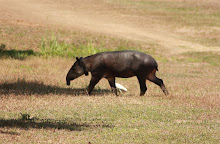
(75, 71)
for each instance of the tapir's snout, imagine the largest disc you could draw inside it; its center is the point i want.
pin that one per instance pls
(68, 82)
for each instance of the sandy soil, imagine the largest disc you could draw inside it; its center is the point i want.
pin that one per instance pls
(94, 16)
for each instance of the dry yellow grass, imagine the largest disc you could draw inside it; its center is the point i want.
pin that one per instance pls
(35, 86)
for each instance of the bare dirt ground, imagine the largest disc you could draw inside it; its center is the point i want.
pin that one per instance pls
(95, 16)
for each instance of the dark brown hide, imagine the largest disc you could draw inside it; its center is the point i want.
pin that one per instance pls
(122, 64)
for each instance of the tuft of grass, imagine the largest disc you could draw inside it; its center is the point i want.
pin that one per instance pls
(54, 47)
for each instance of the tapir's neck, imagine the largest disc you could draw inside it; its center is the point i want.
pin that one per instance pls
(88, 61)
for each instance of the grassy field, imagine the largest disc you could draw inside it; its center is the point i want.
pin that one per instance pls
(194, 20)
(36, 106)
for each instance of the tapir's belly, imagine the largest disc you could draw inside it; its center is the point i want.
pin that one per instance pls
(122, 74)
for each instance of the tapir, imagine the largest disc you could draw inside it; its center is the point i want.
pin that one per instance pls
(123, 64)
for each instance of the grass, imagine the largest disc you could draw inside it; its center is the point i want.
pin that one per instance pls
(195, 20)
(16, 54)
(50, 42)
(37, 107)
(43, 106)
(187, 13)
(212, 58)
(108, 119)
(54, 47)
(23, 87)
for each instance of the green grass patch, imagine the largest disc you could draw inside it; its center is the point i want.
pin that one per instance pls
(54, 47)
(198, 57)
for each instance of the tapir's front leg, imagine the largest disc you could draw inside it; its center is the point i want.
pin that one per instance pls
(112, 84)
(94, 80)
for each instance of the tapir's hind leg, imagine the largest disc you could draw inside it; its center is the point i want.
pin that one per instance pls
(160, 83)
(112, 84)
(142, 82)
(152, 77)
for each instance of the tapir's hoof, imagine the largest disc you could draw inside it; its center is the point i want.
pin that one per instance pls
(142, 94)
(166, 93)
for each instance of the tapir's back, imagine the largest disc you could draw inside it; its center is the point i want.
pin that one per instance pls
(123, 61)
(127, 58)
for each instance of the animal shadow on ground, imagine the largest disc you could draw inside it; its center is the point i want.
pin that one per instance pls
(37, 123)
(23, 87)
(15, 54)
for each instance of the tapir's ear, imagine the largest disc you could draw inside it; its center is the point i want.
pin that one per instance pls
(77, 58)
